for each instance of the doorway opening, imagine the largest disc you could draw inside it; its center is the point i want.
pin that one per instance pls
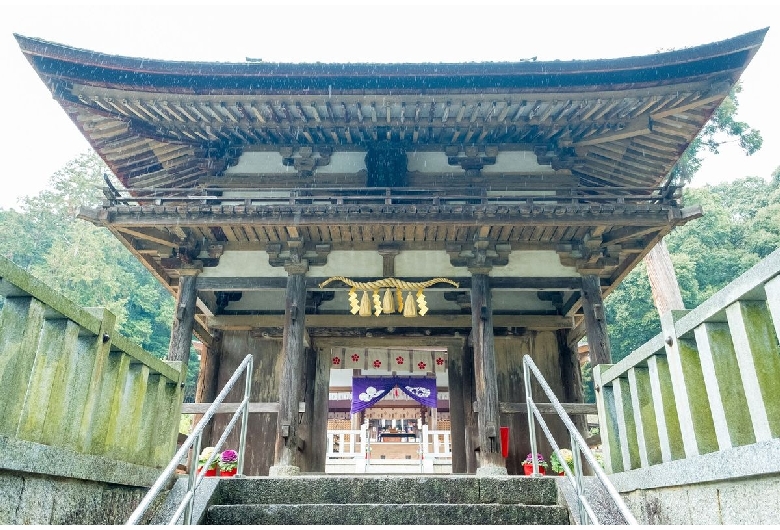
(400, 432)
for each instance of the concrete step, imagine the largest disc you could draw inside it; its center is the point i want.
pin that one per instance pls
(363, 489)
(386, 514)
(361, 499)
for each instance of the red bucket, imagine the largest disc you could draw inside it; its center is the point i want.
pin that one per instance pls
(504, 441)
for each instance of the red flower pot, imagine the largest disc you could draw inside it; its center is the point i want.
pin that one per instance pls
(528, 469)
(225, 473)
(209, 472)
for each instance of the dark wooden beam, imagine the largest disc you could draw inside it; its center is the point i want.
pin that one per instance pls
(361, 215)
(155, 235)
(226, 408)
(249, 322)
(183, 321)
(547, 408)
(595, 321)
(258, 283)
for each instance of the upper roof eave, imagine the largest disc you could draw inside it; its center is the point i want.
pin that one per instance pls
(112, 71)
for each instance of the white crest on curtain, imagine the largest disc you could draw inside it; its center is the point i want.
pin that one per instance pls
(418, 391)
(370, 394)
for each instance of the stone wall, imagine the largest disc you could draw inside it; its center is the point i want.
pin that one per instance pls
(735, 486)
(69, 379)
(41, 484)
(44, 499)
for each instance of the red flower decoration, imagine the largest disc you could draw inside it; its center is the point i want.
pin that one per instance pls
(355, 357)
(421, 365)
(336, 361)
(399, 360)
(439, 361)
(377, 363)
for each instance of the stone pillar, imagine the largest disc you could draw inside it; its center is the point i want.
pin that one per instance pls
(290, 390)
(490, 461)
(595, 320)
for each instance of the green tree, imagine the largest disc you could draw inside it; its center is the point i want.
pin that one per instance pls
(86, 263)
(740, 227)
(722, 128)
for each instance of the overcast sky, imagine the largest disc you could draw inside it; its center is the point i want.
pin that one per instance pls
(38, 138)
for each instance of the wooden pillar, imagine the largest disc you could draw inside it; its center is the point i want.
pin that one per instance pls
(207, 387)
(663, 280)
(183, 319)
(469, 414)
(457, 415)
(388, 253)
(595, 320)
(315, 419)
(356, 420)
(490, 461)
(290, 391)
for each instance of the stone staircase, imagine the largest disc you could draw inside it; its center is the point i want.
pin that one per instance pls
(385, 500)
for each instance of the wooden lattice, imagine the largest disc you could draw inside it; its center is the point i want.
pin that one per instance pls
(339, 425)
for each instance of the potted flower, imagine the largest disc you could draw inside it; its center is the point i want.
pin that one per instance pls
(228, 463)
(528, 464)
(204, 457)
(599, 455)
(568, 460)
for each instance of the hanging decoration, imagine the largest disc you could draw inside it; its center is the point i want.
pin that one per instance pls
(367, 391)
(413, 305)
(402, 361)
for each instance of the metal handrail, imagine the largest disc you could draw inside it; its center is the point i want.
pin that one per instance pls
(576, 478)
(194, 480)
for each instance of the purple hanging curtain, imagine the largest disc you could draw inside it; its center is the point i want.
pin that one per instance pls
(366, 391)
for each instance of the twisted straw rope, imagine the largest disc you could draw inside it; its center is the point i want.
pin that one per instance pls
(388, 282)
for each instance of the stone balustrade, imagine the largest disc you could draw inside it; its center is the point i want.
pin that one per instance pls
(69, 380)
(709, 382)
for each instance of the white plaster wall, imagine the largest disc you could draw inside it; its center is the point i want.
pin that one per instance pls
(259, 301)
(517, 162)
(243, 264)
(534, 263)
(421, 263)
(345, 162)
(519, 301)
(350, 263)
(430, 162)
(260, 162)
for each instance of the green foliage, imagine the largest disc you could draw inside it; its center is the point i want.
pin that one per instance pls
(588, 391)
(631, 316)
(84, 262)
(740, 226)
(723, 127)
(568, 460)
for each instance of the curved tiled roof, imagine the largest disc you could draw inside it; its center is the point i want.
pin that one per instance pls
(616, 122)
